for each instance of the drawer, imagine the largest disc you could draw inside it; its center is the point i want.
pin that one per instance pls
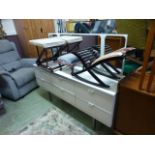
(46, 76)
(50, 87)
(94, 111)
(66, 95)
(101, 99)
(55, 79)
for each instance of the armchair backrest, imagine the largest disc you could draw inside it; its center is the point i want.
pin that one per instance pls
(9, 57)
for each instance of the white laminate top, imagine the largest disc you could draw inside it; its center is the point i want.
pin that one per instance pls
(55, 41)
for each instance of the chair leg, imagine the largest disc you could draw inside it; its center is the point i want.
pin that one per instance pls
(147, 53)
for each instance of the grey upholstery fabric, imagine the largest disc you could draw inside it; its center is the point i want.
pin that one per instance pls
(8, 87)
(23, 76)
(5, 46)
(27, 62)
(68, 59)
(16, 75)
(9, 52)
(12, 66)
(11, 56)
(28, 87)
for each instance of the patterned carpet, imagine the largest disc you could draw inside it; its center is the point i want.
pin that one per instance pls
(56, 122)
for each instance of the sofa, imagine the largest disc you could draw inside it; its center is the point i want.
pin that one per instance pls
(17, 76)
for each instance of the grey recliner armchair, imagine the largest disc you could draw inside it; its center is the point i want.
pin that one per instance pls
(17, 76)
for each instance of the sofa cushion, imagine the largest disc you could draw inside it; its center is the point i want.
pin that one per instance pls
(23, 76)
(12, 66)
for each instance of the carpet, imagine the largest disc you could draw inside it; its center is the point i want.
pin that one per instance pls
(24, 111)
(56, 122)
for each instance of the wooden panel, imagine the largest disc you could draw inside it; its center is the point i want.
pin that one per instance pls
(29, 34)
(19, 28)
(135, 111)
(115, 42)
(47, 26)
(153, 53)
(32, 29)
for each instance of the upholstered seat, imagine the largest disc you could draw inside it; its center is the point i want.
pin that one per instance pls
(17, 77)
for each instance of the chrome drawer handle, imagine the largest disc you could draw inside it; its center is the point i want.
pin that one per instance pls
(91, 104)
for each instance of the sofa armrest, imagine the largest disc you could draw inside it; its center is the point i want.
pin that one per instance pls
(28, 62)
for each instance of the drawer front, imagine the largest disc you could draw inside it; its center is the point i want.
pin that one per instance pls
(50, 87)
(58, 90)
(68, 96)
(47, 76)
(55, 79)
(101, 99)
(94, 111)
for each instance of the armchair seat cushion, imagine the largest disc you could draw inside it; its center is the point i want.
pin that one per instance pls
(23, 76)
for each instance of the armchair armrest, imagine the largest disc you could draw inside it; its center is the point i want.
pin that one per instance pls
(5, 75)
(3, 72)
(28, 62)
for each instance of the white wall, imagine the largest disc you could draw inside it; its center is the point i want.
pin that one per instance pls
(9, 27)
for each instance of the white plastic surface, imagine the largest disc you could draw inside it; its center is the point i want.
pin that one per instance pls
(55, 41)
